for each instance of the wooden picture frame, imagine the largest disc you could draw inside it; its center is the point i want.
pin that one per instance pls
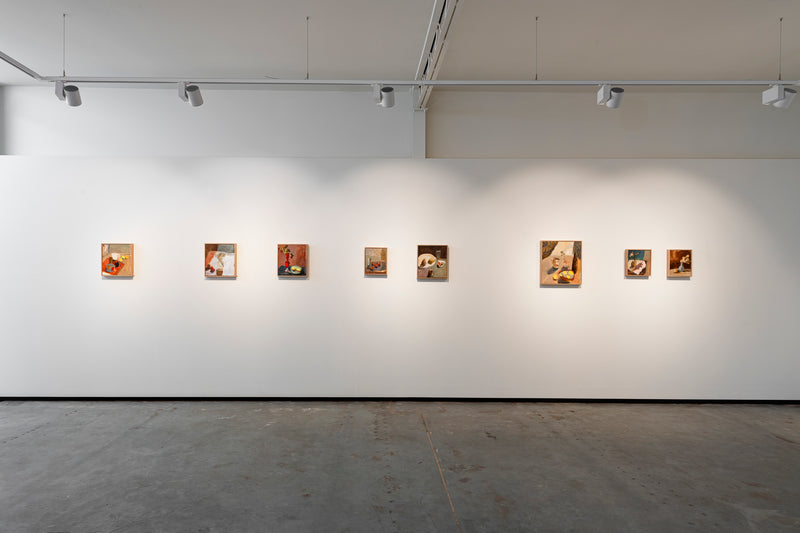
(679, 263)
(221, 260)
(292, 260)
(638, 263)
(561, 263)
(376, 261)
(433, 262)
(116, 260)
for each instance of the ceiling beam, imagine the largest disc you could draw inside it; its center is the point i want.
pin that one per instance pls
(433, 48)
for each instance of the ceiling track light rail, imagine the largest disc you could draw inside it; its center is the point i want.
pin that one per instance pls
(222, 82)
(394, 84)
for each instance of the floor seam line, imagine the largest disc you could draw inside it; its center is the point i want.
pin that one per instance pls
(441, 474)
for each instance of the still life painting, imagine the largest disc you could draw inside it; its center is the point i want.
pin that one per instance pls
(679, 263)
(221, 260)
(637, 263)
(375, 261)
(432, 262)
(292, 260)
(116, 260)
(561, 263)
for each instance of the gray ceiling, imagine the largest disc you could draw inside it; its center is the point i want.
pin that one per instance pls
(382, 39)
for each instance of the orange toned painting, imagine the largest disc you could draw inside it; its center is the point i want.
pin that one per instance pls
(116, 260)
(679, 263)
(293, 260)
(561, 263)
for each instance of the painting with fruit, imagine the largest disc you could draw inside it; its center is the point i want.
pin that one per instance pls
(375, 263)
(432, 262)
(116, 260)
(293, 260)
(221, 260)
(561, 263)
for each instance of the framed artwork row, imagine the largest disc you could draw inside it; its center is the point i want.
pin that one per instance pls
(561, 262)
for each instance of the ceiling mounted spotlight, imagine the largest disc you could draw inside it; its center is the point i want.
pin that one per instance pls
(616, 97)
(190, 93)
(609, 96)
(778, 96)
(68, 93)
(384, 95)
(788, 96)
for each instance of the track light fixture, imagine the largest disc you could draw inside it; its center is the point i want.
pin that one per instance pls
(384, 95)
(780, 93)
(190, 93)
(616, 97)
(70, 93)
(778, 96)
(788, 96)
(609, 96)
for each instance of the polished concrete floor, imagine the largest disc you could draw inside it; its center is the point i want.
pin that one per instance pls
(176, 466)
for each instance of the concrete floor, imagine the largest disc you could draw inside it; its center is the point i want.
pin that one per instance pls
(174, 466)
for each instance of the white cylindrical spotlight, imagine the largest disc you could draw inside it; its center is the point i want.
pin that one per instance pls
(195, 98)
(788, 96)
(615, 97)
(72, 95)
(387, 97)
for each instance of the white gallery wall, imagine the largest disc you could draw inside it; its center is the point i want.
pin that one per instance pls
(155, 122)
(652, 122)
(461, 123)
(729, 332)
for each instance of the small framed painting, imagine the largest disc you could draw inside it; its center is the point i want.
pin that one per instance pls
(221, 260)
(561, 263)
(375, 261)
(679, 263)
(637, 263)
(116, 260)
(292, 260)
(433, 262)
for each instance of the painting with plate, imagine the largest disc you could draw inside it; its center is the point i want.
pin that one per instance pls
(116, 260)
(292, 260)
(432, 262)
(638, 263)
(561, 263)
(375, 261)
